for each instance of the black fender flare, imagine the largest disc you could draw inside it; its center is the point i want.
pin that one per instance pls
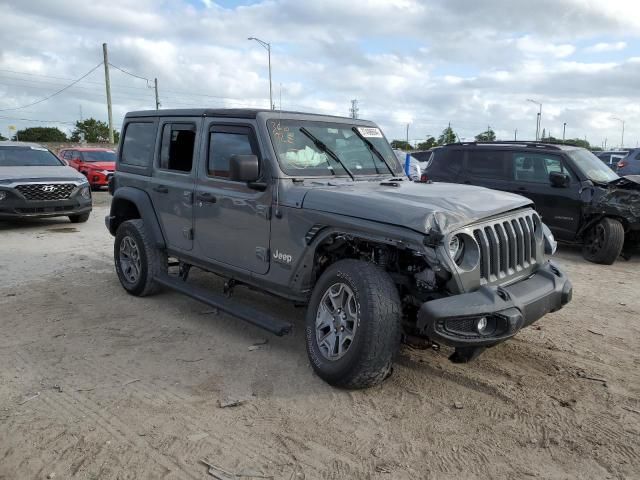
(141, 200)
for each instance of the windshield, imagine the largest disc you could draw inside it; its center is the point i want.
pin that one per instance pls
(28, 157)
(99, 156)
(300, 156)
(591, 166)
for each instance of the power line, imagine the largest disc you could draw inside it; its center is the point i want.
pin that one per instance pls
(54, 94)
(129, 73)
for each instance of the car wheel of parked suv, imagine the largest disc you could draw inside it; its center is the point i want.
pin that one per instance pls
(353, 324)
(138, 261)
(79, 218)
(603, 242)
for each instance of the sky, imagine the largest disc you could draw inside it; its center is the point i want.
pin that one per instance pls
(470, 63)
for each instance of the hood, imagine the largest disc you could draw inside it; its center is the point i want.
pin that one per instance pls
(431, 207)
(101, 165)
(629, 182)
(37, 174)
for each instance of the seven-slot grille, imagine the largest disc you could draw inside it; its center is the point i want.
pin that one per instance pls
(46, 191)
(507, 246)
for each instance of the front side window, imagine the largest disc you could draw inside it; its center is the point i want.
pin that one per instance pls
(224, 144)
(487, 164)
(535, 167)
(28, 157)
(138, 144)
(178, 142)
(299, 155)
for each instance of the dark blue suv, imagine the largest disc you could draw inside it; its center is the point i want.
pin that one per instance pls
(581, 199)
(629, 165)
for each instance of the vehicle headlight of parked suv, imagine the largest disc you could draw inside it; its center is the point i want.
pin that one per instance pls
(85, 191)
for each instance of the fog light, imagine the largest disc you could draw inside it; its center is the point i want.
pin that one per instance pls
(3, 195)
(481, 324)
(85, 192)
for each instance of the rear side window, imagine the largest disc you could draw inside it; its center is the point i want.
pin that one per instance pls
(535, 167)
(487, 164)
(446, 162)
(223, 144)
(176, 152)
(138, 144)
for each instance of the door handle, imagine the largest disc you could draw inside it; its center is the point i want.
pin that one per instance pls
(161, 189)
(206, 197)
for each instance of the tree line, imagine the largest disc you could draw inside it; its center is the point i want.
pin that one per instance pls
(89, 130)
(449, 136)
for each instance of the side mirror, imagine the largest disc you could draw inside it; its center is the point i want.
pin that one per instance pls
(244, 168)
(559, 179)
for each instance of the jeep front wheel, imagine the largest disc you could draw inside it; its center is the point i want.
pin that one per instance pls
(604, 241)
(137, 260)
(353, 324)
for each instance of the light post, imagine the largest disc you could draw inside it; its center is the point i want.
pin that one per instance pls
(539, 121)
(267, 47)
(564, 129)
(621, 121)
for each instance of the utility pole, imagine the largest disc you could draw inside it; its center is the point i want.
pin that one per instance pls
(515, 135)
(155, 87)
(354, 109)
(107, 84)
(564, 130)
(539, 117)
(408, 134)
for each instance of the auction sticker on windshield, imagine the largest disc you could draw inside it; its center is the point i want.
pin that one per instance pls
(370, 132)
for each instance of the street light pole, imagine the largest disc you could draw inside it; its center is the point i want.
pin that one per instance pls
(539, 120)
(267, 47)
(564, 129)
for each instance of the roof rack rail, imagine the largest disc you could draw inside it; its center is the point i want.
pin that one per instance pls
(524, 143)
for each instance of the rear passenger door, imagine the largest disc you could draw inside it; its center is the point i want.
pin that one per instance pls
(232, 220)
(173, 180)
(487, 168)
(560, 208)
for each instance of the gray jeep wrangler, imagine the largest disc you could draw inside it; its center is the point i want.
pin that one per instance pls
(316, 210)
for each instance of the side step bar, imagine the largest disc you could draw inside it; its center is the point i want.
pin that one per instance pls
(224, 304)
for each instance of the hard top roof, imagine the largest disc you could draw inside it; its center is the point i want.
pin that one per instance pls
(249, 113)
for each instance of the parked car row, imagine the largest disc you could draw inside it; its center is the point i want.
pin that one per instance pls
(97, 164)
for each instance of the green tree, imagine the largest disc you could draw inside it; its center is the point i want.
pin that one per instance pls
(428, 144)
(401, 145)
(2, 137)
(94, 131)
(448, 136)
(41, 134)
(487, 136)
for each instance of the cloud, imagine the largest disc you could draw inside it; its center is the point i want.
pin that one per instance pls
(606, 47)
(468, 62)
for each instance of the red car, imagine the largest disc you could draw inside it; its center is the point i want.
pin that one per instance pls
(97, 164)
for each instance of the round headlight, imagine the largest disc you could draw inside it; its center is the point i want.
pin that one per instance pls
(456, 248)
(481, 324)
(3, 195)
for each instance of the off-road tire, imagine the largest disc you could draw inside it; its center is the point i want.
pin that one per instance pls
(611, 246)
(82, 218)
(153, 261)
(368, 360)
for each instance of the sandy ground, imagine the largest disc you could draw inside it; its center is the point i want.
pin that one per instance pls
(96, 384)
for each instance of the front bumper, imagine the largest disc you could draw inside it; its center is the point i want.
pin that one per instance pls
(98, 178)
(15, 206)
(453, 320)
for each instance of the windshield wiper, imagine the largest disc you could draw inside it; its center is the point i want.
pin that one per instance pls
(373, 148)
(323, 148)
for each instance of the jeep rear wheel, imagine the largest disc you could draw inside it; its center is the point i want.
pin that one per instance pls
(353, 324)
(137, 260)
(604, 241)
